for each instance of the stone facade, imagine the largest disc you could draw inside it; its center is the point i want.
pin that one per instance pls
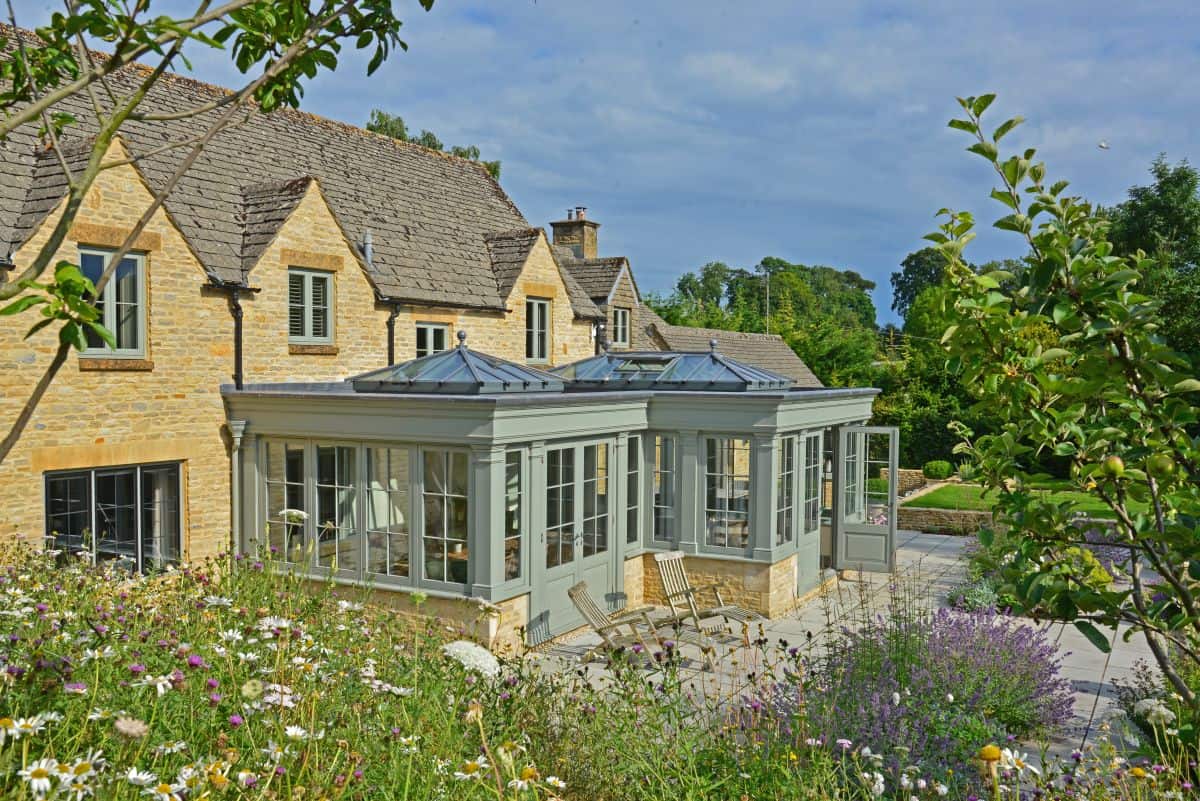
(635, 577)
(769, 589)
(166, 407)
(624, 297)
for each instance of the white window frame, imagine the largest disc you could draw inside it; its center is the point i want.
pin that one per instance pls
(108, 296)
(430, 329)
(533, 336)
(620, 327)
(307, 337)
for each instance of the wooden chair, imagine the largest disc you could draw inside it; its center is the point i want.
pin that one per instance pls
(629, 627)
(681, 596)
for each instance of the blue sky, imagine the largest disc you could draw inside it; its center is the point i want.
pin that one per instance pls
(814, 132)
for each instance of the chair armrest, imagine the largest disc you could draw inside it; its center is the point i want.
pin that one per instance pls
(680, 593)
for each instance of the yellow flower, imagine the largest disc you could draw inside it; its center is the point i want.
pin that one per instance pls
(990, 753)
(1139, 773)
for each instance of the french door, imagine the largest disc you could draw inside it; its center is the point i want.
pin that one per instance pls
(577, 541)
(865, 534)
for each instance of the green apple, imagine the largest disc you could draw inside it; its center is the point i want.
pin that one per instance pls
(1160, 465)
(1112, 467)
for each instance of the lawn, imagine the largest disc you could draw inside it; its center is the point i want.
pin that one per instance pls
(972, 497)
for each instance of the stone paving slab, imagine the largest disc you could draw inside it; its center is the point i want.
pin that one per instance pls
(938, 563)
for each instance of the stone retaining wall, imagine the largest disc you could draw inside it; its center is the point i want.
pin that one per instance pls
(907, 479)
(942, 521)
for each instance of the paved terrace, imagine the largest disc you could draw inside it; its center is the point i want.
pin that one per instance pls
(928, 565)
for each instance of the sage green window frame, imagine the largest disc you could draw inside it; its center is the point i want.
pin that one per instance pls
(721, 487)
(787, 450)
(516, 515)
(664, 501)
(621, 318)
(812, 483)
(537, 330)
(633, 491)
(306, 308)
(450, 501)
(111, 304)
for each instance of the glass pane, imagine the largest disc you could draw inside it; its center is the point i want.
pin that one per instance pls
(125, 297)
(458, 474)
(439, 339)
(68, 510)
(513, 515)
(434, 471)
(633, 490)
(422, 341)
(116, 514)
(92, 265)
(160, 516)
(435, 559)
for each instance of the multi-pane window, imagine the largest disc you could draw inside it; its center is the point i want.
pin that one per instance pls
(127, 513)
(560, 506)
(850, 477)
(664, 489)
(387, 511)
(785, 491)
(122, 303)
(445, 515)
(595, 499)
(537, 330)
(335, 518)
(727, 492)
(287, 511)
(812, 482)
(633, 490)
(310, 306)
(431, 338)
(514, 514)
(620, 332)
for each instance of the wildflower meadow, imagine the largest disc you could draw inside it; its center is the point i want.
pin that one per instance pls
(235, 680)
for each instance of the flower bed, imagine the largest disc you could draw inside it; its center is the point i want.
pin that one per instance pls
(231, 681)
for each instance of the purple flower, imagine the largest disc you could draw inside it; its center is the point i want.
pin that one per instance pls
(195, 661)
(137, 668)
(236, 720)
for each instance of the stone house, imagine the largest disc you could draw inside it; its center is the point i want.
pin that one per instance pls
(285, 331)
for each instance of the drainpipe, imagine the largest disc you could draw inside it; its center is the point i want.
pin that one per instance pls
(391, 334)
(236, 429)
(235, 308)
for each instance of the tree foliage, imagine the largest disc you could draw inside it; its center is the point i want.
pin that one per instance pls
(393, 125)
(1163, 220)
(1066, 358)
(919, 271)
(826, 315)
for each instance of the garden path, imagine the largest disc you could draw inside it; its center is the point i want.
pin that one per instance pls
(927, 565)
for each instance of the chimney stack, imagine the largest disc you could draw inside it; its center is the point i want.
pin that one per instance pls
(577, 232)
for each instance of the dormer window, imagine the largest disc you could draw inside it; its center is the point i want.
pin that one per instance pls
(537, 330)
(620, 328)
(310, 306)
(122, 304)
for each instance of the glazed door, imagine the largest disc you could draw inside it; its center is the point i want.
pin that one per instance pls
(865, 484)
(577, 540)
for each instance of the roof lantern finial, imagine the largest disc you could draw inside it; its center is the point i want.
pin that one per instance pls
(462, 338)
(712, 345)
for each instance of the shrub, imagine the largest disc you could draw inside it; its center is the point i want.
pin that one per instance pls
(937, 685)
(938, 470)
(976, 595)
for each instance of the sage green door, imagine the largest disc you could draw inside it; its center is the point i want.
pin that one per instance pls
(865, 502)
(577, 542)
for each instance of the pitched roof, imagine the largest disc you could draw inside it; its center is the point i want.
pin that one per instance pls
(708, 370)
(510, 249)
(767, 351)
(597, 276)
(428, 212)
(265, 208)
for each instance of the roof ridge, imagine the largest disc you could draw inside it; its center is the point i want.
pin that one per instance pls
(513, 233)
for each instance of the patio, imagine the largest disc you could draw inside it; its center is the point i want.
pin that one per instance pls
(938, 563)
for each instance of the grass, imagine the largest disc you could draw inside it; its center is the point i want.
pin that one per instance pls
(971, 497)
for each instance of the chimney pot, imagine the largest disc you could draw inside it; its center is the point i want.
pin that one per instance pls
(580, 212)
